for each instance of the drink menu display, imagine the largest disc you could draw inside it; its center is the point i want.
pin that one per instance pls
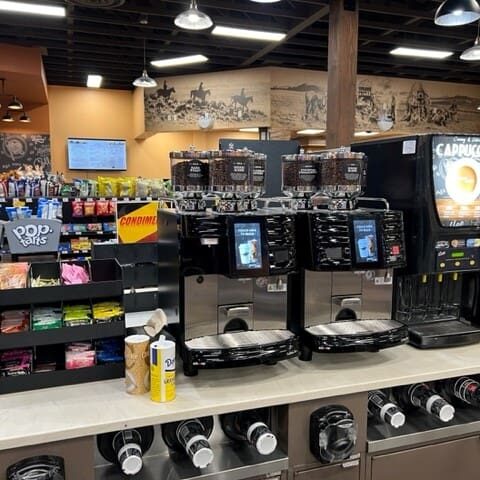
(93, 154)
(456, 179)
(248, 246)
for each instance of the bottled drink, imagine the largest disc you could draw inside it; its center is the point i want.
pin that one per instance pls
(420, 395)
(126, 448)
(250, 426)
(380, 407)
(463, 388)
(191, 436)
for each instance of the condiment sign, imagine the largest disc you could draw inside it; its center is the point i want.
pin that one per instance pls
(33, 235)
(137, 222)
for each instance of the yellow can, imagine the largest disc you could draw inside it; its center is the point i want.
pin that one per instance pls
(162, 370)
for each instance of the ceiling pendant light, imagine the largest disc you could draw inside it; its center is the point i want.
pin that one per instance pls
(7, 118)
(144, 81)
(24, 118)
(193, 18)
(472, 54)
(453, 13)
(15, 104)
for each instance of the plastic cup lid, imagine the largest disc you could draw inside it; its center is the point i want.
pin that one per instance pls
(132, 465)
(266, 444)
(397, 420)
(202, 458)
(447, 412)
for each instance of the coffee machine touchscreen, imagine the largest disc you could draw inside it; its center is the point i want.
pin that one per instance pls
(248, 246)
(365, 238)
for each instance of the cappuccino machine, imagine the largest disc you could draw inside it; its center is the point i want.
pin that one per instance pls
(227, 262)
(435, 181)
(342, 294)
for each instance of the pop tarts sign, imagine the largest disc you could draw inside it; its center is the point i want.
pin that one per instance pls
(33, 235)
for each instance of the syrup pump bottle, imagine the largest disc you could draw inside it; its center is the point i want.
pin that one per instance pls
(462, 390)
(191, 437)
(420, 395)
(383, 409)
(250, 426)
(126, 448)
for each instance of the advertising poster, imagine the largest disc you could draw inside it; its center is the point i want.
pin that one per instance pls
(137, 222)
(456, 179)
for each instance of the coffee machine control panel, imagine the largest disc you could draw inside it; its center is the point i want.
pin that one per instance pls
(359, 239)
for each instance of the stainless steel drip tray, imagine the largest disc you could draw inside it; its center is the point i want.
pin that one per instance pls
(354, 327)
(252, 338)
(231, 462)
(421, 428)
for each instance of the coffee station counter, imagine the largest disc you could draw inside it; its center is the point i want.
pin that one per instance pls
(75, 411)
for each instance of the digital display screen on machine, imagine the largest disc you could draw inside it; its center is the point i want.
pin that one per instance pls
(365, 238)
(248, 246)
(457, 255)
(456, 179)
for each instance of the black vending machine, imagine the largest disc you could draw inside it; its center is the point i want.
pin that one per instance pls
(435, 180)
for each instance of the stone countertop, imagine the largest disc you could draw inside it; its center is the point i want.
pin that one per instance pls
(53, 414)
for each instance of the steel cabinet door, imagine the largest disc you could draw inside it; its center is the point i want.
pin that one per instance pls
(444, 461)
(346, 471)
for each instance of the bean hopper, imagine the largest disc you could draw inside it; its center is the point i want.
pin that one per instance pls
(228, 263)
(347, 253)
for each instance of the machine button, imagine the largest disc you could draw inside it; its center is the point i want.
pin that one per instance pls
(457, 264)
(442, 265)
(472, 262)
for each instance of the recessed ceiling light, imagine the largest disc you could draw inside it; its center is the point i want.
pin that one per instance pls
(94, 81)
(421, 53)
(310, 131)
(366, 133)
(248, 34)
(173, 62)
(249, 130)
(21, 7)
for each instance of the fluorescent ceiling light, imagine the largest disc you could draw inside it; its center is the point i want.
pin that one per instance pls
(249, 130)
(94, 81)
(421, 53)
(248, 34)
(173, 62)
(266, 1)
(366, 133)
(34, 8)
(310, 131)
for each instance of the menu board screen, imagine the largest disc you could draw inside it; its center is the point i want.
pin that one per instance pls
(248, 246)
(456, 179)
(95, 154)
(365, 236)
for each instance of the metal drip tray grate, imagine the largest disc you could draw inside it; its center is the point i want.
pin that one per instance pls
(252, 338)
(355, 327)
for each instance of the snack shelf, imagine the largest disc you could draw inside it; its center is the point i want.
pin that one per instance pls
(87, 234)
(59, 378)
(62, 335)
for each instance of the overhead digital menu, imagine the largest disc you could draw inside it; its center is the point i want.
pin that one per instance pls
(456, 179)
(93, 154)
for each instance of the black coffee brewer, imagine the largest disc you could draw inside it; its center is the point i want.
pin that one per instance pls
(342, 296)
(227, 262)
(435, 181)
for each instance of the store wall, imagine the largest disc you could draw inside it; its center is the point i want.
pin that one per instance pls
(83, 112)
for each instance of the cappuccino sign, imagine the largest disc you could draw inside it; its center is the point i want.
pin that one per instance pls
(33, 235)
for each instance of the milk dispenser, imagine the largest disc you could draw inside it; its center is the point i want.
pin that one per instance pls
(227, 262)
(342, 295)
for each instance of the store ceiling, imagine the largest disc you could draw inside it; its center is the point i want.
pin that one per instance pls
(110, 41)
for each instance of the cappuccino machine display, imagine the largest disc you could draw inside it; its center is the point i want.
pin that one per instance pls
(435, 181)
(342, 295)
(228, 262)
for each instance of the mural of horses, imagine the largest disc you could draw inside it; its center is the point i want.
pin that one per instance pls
(241, 100)
(199, 95)
(165, 92)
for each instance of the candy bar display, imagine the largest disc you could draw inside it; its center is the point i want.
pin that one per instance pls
(79, 355)
(300, 174)
(109, 350)
(14, 321)
(40, 281)
(104, 312)
(48, 358)
(47, 318)
(74, 274)
(78, 314)
(189, 170)
(13, 275)
(16, 362)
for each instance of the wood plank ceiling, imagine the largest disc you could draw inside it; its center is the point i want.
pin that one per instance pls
(110, 41)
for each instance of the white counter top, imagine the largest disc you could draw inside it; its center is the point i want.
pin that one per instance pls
(66, 412)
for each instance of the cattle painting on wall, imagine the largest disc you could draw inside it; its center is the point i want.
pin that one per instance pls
(232, 99)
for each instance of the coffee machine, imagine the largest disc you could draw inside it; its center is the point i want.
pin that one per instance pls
(435, 181)
(227, 261)
(342, 294)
